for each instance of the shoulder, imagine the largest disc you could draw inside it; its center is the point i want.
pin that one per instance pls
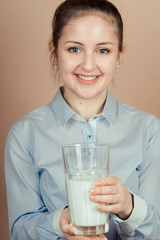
(35, 122)
(31, 129)
(35, 117)
(140, 119)
(136, 114)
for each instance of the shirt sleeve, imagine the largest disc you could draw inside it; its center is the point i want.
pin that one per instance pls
(144, 222)
(28, 216)
(56, 219)
(136, 218)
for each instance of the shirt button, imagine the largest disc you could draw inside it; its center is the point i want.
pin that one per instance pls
(94, 118)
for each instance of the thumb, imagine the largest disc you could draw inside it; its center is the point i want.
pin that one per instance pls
(65, 222)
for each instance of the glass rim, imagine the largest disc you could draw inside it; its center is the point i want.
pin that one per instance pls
(85, 145)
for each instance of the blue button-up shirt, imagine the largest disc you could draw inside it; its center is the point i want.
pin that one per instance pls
(35, 175)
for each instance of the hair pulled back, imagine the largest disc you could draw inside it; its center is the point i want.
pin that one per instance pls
(73, 8)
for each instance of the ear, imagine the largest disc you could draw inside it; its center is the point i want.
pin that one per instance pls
(120, 54)
(123, 50)
(52, 51)
(50, 46)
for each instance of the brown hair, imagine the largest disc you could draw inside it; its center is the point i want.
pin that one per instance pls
(72, 8)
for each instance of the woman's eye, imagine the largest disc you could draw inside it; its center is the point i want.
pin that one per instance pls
(74, 50)
(103, 51)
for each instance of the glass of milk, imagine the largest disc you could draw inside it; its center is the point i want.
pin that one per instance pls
(84, 163)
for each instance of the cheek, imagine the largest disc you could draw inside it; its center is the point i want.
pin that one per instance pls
(67, 64)
(108, 65)
(108, 68)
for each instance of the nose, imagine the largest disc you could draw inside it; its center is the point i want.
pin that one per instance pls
(88, 62)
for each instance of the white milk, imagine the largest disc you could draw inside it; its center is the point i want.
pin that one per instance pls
(82, 210)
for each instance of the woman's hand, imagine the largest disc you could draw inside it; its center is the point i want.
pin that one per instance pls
(69, 231)
(112, 196)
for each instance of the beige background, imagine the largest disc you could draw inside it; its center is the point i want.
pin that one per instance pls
(27, 81)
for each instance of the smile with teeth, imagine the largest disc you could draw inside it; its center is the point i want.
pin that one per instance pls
(89, 78)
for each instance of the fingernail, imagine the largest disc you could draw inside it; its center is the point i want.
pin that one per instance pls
(97, 183)
(92, 190)
(73, 230)
(92, 197)
(98, 207)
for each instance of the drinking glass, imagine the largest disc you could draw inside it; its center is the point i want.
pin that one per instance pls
(83, 164)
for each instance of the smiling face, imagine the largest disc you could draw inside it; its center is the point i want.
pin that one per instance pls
(87, 57)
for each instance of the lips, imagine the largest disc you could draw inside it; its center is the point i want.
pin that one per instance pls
(87, 79)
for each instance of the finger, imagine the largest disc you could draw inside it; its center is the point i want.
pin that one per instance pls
(98, 237)
(110, 180)
(90, 237)
(102, 237)
(111, 199)
(104, 190)
(68, 229)
(95, 237)
(75, 237)
(65, 222)
(109, 208)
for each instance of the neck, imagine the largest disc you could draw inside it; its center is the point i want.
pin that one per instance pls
(87, 108)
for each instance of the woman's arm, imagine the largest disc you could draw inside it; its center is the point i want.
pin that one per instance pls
(28, 216)
(143, 221)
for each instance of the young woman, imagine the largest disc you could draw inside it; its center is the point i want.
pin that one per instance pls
(86, 48)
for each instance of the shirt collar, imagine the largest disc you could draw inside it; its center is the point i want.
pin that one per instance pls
(110, 108)
(64, 112)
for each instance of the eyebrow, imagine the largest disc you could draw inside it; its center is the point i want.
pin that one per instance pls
(74, 42)
(104, 43)
(98, 44)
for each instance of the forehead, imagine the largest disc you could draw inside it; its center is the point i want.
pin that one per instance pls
(91, 26)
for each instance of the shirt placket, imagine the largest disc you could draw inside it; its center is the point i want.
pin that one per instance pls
(89, 130)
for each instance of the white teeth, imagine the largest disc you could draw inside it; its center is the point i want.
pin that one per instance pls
(87, 78)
